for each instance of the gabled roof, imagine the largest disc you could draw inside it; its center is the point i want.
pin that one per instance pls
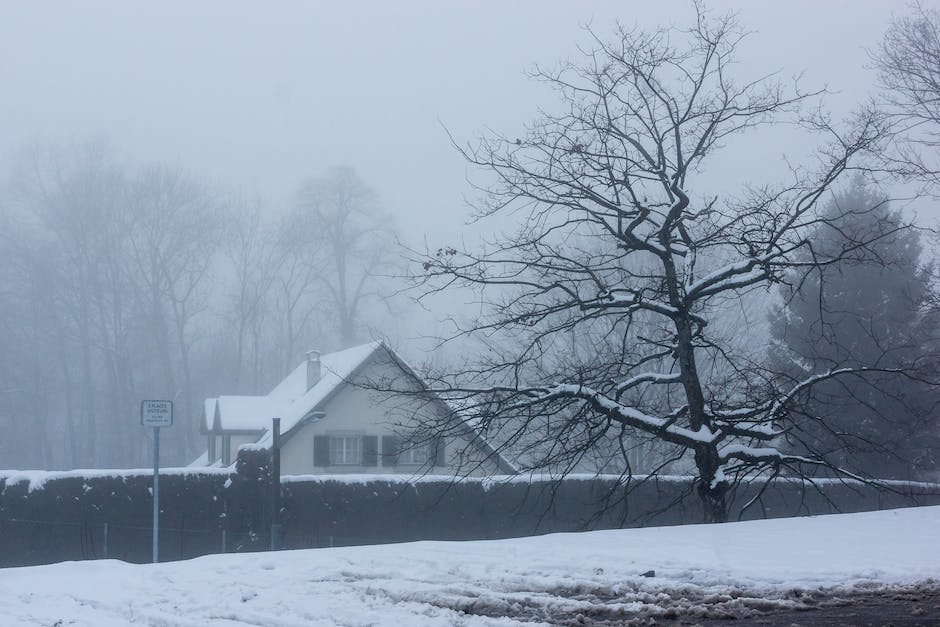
(502, 464)
(335, 369)
(290, 400)
(247, 413)
(208, 415)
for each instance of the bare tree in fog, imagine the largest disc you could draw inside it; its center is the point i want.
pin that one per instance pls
(908, 65)
(350, 239)
(297, 306)
(103, 299)
(250, 247)
(73, 199)
(620, 161)
(117, 277)
(30, 357)
(176, 233)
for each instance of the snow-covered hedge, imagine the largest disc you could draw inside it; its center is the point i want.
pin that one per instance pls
(48, 517)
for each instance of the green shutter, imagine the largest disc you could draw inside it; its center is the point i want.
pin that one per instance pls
(321, 450)
(370, 450)
(391, 446)
(439, 452)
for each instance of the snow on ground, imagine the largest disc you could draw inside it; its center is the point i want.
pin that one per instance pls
(554, 578)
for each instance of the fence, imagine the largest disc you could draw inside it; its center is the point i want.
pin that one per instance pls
(101, 514)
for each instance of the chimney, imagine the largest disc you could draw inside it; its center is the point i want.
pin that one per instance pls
(313, 368)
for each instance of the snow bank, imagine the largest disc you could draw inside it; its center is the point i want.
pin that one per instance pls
(506, 582)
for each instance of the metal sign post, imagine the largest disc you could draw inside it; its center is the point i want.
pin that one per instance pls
(156, 494)
(156, 414)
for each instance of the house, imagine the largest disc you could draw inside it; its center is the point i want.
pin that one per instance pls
(335, 418)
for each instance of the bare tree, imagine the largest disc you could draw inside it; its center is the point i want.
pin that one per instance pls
(70, 201)
(250, 248)
(104, 286)
(173, 242)
(908, 65)
(27, 310)
(621, 163)
(350, 238)
(297, 308)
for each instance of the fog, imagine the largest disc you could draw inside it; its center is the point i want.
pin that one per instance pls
(261, 98)
(247, 102)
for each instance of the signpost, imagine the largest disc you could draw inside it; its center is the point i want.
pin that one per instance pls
(156, 414)
(276, 484)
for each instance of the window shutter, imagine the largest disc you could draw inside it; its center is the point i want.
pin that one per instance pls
(321, 450)
(438, 452)
(391, 445)
(370, 450)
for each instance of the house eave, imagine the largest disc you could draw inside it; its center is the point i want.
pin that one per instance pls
(240, 432)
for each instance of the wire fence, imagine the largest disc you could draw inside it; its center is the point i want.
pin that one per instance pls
(106, 540)
(37, 541)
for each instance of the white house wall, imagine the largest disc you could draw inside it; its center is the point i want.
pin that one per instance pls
(369, 412)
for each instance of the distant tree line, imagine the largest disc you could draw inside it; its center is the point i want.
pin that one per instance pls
(124, 281)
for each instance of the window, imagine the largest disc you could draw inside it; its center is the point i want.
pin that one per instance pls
(346, 449)
(415, 455)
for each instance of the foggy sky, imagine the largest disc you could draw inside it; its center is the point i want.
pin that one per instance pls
(259, 95)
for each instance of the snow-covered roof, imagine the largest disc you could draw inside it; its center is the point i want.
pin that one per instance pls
(335, 368)
(248, 413)
(290, 400)
(208, 414)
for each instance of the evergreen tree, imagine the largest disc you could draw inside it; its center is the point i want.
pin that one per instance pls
(867, 308)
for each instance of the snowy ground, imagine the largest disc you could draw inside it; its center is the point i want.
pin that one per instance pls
(736, 568)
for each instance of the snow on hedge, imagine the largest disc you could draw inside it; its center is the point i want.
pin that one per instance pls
(738, 566)
(38, 478)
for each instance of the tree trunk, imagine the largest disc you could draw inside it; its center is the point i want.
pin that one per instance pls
(714, 501)
(188, 404)
(711, 492)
